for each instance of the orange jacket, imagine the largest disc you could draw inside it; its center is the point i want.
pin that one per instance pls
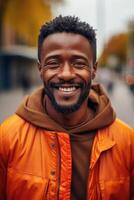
(36, 164)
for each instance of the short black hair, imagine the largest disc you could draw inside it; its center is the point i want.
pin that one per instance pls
(69, 24)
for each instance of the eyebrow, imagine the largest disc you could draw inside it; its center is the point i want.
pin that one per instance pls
(60, 57)
(80, 57)
(52, 56)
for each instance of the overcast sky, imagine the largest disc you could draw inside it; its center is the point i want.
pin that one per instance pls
(107, 16)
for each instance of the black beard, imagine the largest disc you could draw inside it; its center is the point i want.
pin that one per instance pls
(85, 88)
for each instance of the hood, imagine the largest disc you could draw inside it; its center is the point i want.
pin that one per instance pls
(31, 109)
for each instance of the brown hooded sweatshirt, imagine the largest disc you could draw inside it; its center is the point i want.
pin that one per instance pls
(81, 136)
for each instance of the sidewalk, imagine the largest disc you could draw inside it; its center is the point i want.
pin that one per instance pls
(9, 101)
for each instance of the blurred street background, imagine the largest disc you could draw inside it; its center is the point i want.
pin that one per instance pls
(113, 21)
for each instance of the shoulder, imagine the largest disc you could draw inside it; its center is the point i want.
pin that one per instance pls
(121, 133)
(11, 129)
(12, 123)
(121, 127)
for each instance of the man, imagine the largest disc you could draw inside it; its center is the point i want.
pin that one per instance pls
(64, 142)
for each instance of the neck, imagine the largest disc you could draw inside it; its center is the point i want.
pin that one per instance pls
(71, 119)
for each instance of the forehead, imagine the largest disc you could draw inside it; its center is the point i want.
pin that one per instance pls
(66, 41)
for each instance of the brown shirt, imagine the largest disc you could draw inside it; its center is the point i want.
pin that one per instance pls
(81, 146)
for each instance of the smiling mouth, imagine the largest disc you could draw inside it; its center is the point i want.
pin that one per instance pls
(67, 89)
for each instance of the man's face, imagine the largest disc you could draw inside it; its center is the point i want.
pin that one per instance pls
(67, 69)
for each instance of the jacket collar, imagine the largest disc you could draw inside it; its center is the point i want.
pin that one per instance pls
(102, 142)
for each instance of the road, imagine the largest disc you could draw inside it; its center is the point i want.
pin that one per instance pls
(122, 101)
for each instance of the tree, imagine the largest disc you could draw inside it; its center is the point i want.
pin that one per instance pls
(3, 4)
(117, 46)
(24, 18)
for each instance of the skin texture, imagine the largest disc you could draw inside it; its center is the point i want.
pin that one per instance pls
(67, 70)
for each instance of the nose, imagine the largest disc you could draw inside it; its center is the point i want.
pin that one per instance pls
(66, 73)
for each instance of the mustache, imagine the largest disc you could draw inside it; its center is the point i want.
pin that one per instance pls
(66, 83)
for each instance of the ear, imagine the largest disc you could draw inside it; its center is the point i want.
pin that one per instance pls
(94, 70)
(39, 68)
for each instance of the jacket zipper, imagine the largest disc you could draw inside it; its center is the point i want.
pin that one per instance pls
(91, 171)
(58, 167)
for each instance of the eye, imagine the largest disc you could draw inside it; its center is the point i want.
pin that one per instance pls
(52, 64)
(80, 64)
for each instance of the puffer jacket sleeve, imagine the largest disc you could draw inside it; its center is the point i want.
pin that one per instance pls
(3, 164)
(132, 166)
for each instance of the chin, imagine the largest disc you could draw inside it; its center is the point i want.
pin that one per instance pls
(77, 102)
(67, 109)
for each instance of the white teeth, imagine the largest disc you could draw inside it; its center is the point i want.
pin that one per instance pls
(67, 89)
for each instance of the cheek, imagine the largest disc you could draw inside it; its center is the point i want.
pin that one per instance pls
(47, 75)
(85, 75)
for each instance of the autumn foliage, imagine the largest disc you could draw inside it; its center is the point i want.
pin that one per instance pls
(24, 18)
(117, 45)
